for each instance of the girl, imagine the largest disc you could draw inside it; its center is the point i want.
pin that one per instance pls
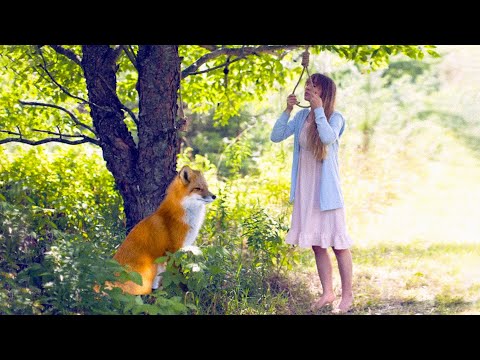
(318, 218)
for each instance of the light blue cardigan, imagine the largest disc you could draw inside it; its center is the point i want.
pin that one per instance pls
(330, 192)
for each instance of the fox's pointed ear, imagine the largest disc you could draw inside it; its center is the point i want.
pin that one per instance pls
(185, 174)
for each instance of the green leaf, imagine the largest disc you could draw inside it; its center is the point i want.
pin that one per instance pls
(135, 277)
(433, 53)
(166, 279)
(145, 308)
(161, 259)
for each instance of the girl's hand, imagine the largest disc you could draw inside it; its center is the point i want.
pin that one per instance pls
(291, 101)
(315, 100)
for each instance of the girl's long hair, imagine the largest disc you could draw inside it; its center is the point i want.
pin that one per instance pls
(328, 93)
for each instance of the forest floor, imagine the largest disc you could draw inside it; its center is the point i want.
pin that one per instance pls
(420, 254)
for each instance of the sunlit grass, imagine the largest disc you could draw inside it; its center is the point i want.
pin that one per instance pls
(442, 278)
(402, 279)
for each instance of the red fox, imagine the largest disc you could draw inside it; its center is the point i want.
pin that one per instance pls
(174, 224)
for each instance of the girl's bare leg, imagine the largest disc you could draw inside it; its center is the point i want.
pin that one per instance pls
(344, 259)
(324, 268)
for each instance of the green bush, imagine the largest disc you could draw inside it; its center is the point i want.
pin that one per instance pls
(61, 218)
(241, 252)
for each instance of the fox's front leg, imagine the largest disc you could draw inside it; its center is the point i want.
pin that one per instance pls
(158, 278)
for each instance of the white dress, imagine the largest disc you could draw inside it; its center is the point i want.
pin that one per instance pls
(311, 226)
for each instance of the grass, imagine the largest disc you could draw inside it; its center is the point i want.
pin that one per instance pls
(404, 279)
(416, 279)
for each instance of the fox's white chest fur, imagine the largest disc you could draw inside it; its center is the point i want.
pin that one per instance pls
(194, 215)
(194, 206)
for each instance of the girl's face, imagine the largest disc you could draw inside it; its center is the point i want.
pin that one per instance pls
(311, 89)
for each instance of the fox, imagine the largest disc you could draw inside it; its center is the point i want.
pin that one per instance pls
(175, 224)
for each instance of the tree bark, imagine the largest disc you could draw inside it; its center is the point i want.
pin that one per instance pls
(158, 144)
(142, 172)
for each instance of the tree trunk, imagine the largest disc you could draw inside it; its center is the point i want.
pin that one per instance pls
(158, 140)
(142, 172)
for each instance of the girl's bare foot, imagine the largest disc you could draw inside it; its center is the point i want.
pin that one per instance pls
(345, 304)
(324, 300)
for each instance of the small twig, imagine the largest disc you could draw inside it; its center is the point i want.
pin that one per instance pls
(130, 55)
(19, 131)
(59, 133)
(132, 51)
(233, 142)
(129, 111)
(72, 116)
(217, 67)
(117, 50)
(226, 70)
(209, 47)
(20, 74)
(122, 106)
(11, 132)
(44, 68)
(68, 53)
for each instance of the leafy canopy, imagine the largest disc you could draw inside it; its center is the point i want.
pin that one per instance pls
(224, 83)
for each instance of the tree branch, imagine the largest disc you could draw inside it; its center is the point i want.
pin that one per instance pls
(239, 52)
(72, 116)
(17, 73)
(124, 107)
(44, 68)
(130, 55)
(117, 50)
(217, 67)
(129, 111)
(209, 47)
(132, 51)
(61, 87)
(11, 132)
(60, 135)
(44, 141)
(84, 139)
(68, 53)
